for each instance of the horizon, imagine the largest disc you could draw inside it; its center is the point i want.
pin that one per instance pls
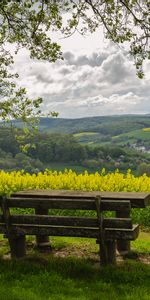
(87, 117)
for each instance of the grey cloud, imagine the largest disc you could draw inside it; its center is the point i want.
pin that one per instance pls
(93, 60)
(65, 71)
(114, 68)
(44, 78)
(103, 82)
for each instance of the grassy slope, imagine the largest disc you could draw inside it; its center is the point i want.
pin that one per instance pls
(123, 129)
(134, 135)
(131, 137)
(49, 277)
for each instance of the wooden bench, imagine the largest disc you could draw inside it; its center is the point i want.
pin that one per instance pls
(106, 230)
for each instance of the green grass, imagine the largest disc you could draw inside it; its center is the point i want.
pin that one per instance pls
(146, 129)
(134, 135)
(87, 133)
(51, 276)
(62, 166)
(142, 244)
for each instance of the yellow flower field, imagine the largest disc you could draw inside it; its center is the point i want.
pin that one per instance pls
(18, 180)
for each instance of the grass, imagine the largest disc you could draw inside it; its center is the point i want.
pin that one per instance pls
(54, 166)
(142, 244)
(87, 133)
(135, 134)
(146, 129)
(73, 272)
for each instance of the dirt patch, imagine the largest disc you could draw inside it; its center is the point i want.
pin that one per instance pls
(84, 253)
(80, 252)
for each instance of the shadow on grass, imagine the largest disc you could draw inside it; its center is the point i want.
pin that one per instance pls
(36, 277)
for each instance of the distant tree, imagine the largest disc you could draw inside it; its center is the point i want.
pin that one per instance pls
(143, 168)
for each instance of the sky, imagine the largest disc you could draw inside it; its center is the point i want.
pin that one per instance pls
(95, 78)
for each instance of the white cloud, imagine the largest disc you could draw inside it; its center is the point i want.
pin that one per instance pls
(95, 82)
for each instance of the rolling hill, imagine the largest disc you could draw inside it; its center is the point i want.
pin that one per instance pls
(112, 125)
(118, 129)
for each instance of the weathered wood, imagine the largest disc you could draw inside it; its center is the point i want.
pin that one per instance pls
(42, 242)
(16, 243)
(6, 214)
(69, 221)
(108, 253)
(17, 246)
(122, 234)
(110, 233)
(103, 249)
(81, 204)
(107, 248)
(117, 223)
(52, 231)
(137, 199)
(105, 230)
(123, 246)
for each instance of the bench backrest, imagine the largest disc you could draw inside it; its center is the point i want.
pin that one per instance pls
(37, 224)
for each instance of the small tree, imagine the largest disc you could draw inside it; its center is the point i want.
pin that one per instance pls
(143, 169)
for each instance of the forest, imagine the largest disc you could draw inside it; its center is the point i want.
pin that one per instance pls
(61, 151)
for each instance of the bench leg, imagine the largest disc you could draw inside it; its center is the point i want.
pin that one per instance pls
(42, 241)
(123, 247)
(17, 246)
(107, 253)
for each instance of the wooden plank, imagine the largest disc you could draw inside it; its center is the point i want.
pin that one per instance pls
(81, 204)
(53, 220)
(51, 203)
(110, 234)
(138, 199)
(85, 194)
(52, 231)
(69, 221)
(122, 234)
(117, 223)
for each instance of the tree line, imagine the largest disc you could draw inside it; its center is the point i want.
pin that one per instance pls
(64, 148)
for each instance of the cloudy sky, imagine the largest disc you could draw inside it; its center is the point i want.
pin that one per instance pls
(96, 78)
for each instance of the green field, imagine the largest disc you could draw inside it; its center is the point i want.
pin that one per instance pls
(100, 139)
(134, 135)
(72, 272)
(88, 137)
(84, 134)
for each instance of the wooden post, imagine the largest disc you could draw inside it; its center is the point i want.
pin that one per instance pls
(16, 242)
(107, 252)
(111, 251)
(17, 246)
(123, 247)
(42, 241)
(107, 248)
